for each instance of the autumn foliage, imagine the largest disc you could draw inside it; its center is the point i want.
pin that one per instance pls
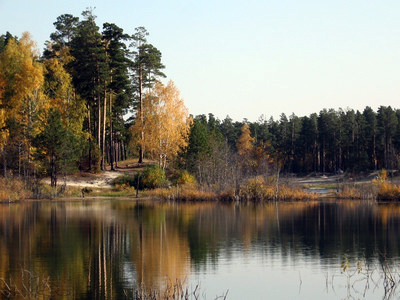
(262, 189)
(166, 123)
(245, 142)
(13, 190)
(387, 191)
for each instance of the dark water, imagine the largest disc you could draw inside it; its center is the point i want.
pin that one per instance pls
(105, 249)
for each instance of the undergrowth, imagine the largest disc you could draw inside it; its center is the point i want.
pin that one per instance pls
(13, 189)
(256, 189)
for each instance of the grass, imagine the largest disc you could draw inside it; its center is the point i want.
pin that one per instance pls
(116, 193)
(182, 193)
(29, 286)
(13, 189)
(177, 290)
(328, 186)
(361, 191)
(380, 191)
(260, 189)
(256, 189)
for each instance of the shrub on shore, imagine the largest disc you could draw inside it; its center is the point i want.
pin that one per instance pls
(153, 177)
(256, 189)
(259, 189)
(362, 191)
(388, 192)
(124, 180)
(379, 189)
(182, 194)
(13, 189)
(185, 178)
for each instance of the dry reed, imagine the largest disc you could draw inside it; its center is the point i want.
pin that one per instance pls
(13, 189)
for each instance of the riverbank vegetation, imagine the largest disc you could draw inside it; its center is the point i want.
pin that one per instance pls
(380, 189)
(94, 98)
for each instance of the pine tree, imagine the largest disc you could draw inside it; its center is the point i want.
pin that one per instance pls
(90, 73)
(387, 124)
(57, 147)
(146, 68)
(118, 85)
(60, 41)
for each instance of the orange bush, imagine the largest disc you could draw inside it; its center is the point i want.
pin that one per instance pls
(388, 192)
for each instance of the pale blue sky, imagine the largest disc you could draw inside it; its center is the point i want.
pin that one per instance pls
(247, 58)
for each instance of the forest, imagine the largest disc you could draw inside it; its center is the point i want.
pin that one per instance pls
(95, 97)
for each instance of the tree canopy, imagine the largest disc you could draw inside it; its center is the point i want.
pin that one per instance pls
(166, 123)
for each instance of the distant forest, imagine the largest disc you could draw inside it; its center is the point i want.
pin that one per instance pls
(65, 110)
(328, 142)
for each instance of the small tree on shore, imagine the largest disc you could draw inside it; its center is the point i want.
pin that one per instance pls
(57, 147)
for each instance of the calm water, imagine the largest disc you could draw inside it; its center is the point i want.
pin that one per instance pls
(105, 249)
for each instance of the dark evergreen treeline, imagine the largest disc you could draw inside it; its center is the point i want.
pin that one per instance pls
(328, 142)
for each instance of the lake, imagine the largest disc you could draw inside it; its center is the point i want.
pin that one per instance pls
(107, 248)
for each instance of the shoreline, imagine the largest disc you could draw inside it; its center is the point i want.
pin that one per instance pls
(83, 186)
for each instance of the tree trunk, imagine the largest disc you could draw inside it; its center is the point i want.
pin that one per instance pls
(90, 138)
(374, 153)
(123, 154)
(98, 121)
(111, 135)
(103, 147)
(141, 145)
(116, 154)
(5, 163)
(53, 175)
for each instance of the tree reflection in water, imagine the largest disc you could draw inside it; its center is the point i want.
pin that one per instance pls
(106, 249)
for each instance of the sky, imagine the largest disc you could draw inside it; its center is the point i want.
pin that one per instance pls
(248, 58)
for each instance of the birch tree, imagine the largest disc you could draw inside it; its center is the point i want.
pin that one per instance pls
(166, 123)
(22, 101)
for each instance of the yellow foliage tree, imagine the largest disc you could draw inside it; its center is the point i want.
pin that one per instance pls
(245, 142)
(22, 74)
(166, 123)
(3, 129)
(22, 99)
(58, 88)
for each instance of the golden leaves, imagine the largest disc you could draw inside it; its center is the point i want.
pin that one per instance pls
(22, 74)
(21, 81)
(166, 122)
(245, 142)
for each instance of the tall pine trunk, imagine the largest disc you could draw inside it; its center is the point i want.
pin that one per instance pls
(111, 151)
(141, 146)
(90, 137)
(98, 121)
(103, 147)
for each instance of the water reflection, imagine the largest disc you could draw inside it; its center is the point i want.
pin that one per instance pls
(104, 249)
